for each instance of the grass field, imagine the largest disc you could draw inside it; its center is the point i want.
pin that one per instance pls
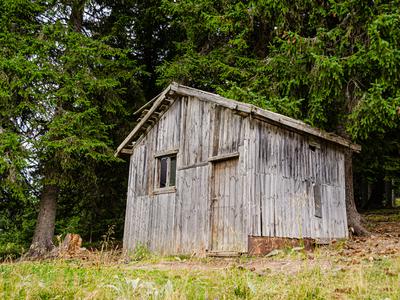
(356, 269)
(69, 279)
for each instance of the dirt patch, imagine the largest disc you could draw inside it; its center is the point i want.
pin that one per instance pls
(260, 266)
(293, 266)
(384, 241)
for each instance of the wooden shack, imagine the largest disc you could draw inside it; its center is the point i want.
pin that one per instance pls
(208, 174)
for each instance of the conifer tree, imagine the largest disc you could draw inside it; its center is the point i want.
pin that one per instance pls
(70, 90)
(333, 64)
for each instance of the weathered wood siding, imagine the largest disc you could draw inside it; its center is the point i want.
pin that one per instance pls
(268, 192)
(150, 218)
(228, 231)
(229, 135)
(180, 222)
(287, 171)
(191, 230)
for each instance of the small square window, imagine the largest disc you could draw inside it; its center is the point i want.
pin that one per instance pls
(166, 171)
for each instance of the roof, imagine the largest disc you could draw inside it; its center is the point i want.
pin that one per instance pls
(151, 112)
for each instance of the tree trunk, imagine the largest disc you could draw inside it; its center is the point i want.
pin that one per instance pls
(354, 220)
(42, 241)
(76, 16)
(388, 194)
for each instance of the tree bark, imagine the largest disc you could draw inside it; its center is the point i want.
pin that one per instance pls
(388, 194)
(42, 241)
(76, 16)
(354, 219)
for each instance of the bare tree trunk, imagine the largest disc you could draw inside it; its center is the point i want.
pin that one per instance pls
(388, 194)
(354, 219)
(76, 16)
(42, 241)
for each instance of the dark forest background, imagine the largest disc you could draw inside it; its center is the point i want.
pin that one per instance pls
(72, 72)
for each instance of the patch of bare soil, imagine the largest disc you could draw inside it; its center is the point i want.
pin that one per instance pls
(385, 240)
(258, 265)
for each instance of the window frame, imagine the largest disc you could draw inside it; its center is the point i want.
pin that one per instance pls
(168, 188)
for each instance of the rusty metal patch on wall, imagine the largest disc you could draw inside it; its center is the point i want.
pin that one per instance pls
(261, 245)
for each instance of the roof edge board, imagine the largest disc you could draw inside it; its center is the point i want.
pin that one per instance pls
(130, 136)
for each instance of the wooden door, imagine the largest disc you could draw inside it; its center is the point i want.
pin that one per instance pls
(226, 207)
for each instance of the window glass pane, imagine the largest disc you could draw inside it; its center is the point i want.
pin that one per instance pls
(163, 171)
(172, 171)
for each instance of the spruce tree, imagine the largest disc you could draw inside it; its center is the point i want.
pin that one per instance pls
(70, 91)
(333, 64)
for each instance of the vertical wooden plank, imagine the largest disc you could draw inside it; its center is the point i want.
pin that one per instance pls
(128, 209)
(227, 204)
(203, 208)
(246, 166)
(271, 205)
(164, 226)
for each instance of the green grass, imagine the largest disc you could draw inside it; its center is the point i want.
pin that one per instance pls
(383, 215)
(76, 279)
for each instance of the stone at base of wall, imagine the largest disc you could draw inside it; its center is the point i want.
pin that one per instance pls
(262, 245)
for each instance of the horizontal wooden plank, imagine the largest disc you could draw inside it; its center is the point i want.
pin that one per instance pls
(224, 156)
(166, 190)
(166, 152)
(127, 151)
(193, 166)
(224, 253)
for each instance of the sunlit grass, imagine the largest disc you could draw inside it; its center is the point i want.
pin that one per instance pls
(383, 215)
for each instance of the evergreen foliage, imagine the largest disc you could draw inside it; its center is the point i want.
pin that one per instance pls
(64, 103)
(333, 64)
(72, 73)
